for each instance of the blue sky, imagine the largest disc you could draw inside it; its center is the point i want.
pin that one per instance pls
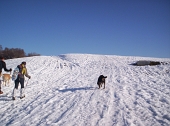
(109, 27)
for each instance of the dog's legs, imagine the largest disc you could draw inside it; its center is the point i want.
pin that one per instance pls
(8, 82)
(104, 86)
(4, 82)
(99, 86)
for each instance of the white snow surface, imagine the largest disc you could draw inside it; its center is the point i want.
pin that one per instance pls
(63, 91)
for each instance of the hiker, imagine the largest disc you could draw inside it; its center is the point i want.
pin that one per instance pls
(20, 79)
(3, 66)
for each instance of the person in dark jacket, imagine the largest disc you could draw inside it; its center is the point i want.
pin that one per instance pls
(2, 66)
(20, 79)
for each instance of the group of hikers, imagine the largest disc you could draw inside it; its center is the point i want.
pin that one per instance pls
(20, 78)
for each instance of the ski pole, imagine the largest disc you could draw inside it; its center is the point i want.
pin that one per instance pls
(26, 83)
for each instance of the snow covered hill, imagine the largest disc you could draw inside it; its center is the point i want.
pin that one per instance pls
(62, 91)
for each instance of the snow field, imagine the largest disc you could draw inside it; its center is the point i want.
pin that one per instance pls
(62, 91)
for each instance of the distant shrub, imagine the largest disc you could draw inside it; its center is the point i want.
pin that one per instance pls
(33, 54)
(144, 62)
(11, 53)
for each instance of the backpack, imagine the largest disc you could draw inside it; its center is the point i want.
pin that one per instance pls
(15, 74)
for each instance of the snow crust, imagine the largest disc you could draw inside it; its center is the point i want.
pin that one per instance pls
(62, 91)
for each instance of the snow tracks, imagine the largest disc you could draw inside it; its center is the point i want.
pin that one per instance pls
(63, 92)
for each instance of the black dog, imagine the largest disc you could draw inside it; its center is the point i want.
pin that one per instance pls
(101, 80)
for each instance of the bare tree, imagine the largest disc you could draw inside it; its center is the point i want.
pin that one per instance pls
(10, 53)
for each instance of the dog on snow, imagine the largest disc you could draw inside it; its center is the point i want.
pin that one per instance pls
(6, 78)
(101, 81)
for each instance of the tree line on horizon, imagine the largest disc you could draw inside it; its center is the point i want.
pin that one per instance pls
(11, 53)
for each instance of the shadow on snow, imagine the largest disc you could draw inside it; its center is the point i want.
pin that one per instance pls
(77, 89)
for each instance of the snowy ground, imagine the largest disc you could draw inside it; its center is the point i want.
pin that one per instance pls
(63, 92)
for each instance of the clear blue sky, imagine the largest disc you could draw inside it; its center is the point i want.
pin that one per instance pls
(109, 27)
